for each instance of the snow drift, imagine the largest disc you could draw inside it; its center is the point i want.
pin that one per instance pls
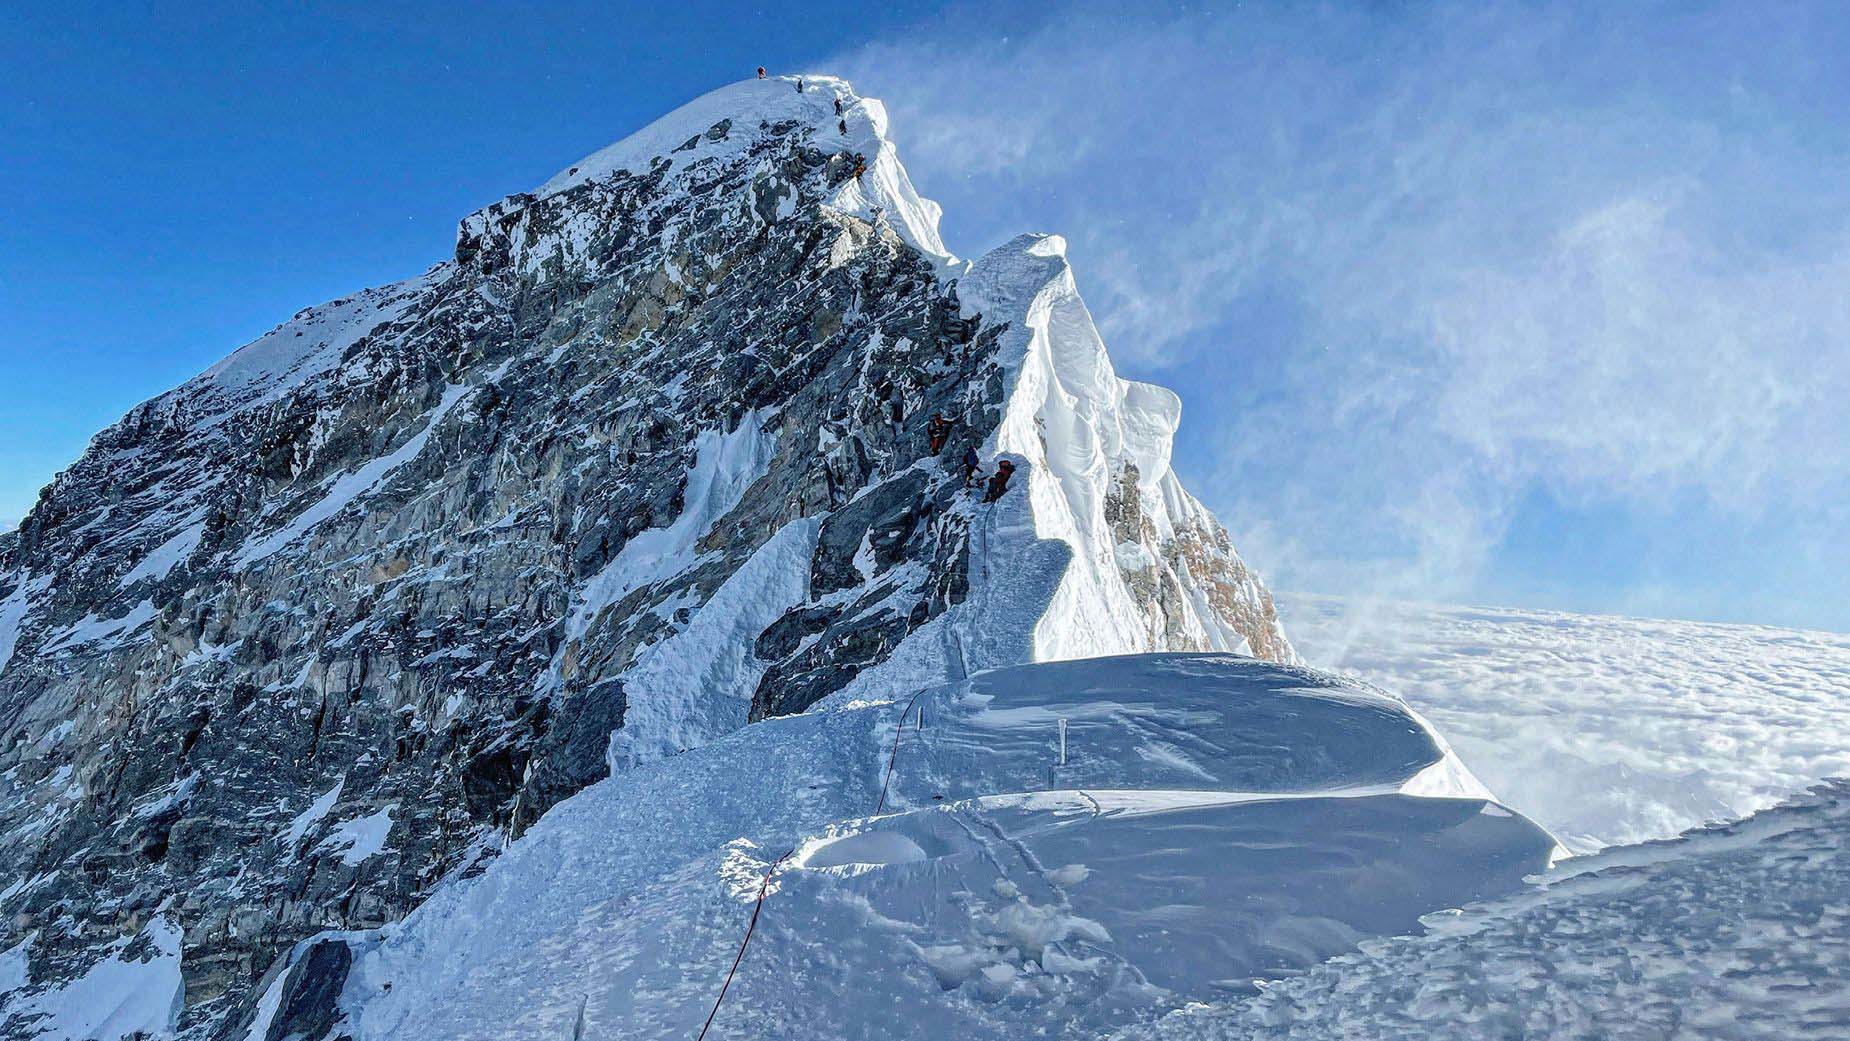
(1217, 820)
(1737, 931)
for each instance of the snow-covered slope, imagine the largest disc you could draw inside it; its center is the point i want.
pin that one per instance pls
(1215, 820)
(1606, 730)
(1737, 931)
(1098, 449)
(296, 644)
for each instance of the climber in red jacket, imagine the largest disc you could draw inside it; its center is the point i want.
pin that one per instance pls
(939, 429)
(1000, 482)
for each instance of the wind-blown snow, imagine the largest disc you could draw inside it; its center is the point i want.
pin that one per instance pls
(312, 816)
(13, 609)
(134, 991)
(357, 840)
(1605, 730)
(166, 556)
(1020, 895)
(15, 966)
(91, 629)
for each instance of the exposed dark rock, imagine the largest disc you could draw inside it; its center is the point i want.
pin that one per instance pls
(309, 1006)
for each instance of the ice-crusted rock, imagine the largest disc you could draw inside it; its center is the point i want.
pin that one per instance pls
(297, 641)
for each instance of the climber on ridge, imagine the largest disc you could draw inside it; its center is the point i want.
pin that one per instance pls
(1000, 482)
(938, 430)
(799, 84)
(842, 125)
(838, 106)
(971, 462)
(761, 72)
(860, 166)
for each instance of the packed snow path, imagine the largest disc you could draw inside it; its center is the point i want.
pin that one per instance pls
(1605, 730)
(1217, 819)
(1739, 931)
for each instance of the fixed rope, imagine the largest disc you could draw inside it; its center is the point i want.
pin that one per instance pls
(764, 890)
(893, 756)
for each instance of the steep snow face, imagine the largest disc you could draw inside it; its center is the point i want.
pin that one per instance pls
(1152, 568)
(1215, 820)
(134, 990)
(649, 458)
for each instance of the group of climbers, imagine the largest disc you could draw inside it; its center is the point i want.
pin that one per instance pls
(841, 124)
(938, 431)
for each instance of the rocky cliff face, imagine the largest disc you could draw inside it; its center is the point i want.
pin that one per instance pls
(648, 458)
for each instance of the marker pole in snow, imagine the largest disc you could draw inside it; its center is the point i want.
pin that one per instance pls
(1062, 740)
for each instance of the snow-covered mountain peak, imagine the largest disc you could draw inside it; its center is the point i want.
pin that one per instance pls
(709, 430)
(730, 121)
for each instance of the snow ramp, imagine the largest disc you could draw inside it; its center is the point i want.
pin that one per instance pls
(1217, 821)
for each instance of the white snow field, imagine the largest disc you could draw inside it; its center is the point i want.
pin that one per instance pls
(1217, 820)
(1604, 729)
(1735, 931)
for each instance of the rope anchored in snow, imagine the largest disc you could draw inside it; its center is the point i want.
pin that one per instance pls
(893, 757)
(764, 890)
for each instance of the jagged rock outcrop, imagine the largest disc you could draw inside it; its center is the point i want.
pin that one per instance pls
(295, 642)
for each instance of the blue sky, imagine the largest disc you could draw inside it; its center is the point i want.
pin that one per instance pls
(1507, 303)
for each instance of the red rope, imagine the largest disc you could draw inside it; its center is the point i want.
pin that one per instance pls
(764, 888)
(763, 891)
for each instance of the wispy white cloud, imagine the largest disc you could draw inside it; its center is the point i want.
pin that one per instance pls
(1435, 259)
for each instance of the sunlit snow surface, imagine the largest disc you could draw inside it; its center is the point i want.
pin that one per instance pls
(1737, 931)
(1216, 820)
(1604, 729)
